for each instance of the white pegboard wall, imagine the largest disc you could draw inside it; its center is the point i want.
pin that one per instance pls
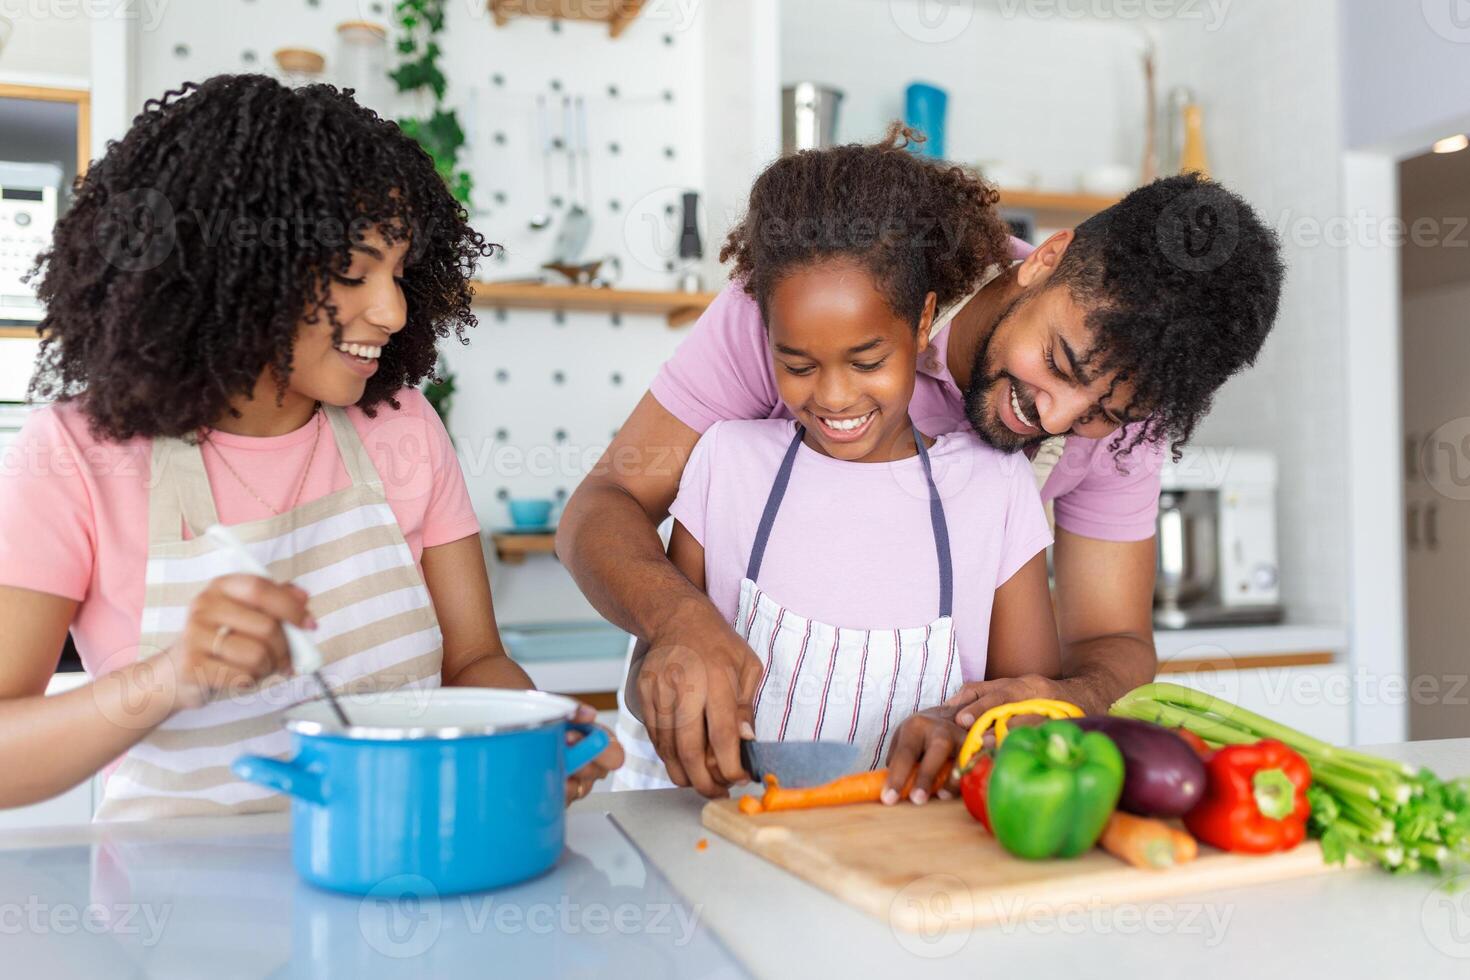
(540, 395)
(643, 95)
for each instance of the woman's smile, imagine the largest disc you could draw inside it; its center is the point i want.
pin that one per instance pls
(361, 358)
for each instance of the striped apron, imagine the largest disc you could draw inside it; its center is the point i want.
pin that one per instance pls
(821, 682)
(377, 628)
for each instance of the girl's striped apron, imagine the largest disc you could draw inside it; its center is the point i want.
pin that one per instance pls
(377, 626)
(823, 682)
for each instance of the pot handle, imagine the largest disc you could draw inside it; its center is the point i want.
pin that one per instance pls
(594, 740)
(284, 777)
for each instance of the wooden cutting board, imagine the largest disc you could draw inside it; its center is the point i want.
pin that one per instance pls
(932, 867)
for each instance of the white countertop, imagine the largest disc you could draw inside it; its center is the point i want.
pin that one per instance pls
(1361, 923)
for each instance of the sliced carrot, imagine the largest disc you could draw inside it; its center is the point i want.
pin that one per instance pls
(1147, 843)
(861, 787)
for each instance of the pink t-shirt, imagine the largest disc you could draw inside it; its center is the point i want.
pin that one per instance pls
(74, 510)
(853, 545)
(723, 370)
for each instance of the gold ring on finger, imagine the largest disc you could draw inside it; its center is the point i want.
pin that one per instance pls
(219, 638)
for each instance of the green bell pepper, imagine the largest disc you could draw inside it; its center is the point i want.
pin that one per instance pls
(1052, 790)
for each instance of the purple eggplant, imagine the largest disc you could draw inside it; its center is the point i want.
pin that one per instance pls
(1163, 777)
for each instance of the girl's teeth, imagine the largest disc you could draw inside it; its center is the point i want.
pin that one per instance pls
(360, 350)
(847, 425)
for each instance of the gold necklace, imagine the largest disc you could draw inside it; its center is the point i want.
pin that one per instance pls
(300, 483)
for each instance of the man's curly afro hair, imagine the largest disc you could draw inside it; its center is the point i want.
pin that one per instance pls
(917, 225)
(1181, 281)
(202, 238)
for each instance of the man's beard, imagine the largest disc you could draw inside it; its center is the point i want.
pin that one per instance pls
(980, 407)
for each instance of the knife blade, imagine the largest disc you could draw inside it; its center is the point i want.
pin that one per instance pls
(798, 764)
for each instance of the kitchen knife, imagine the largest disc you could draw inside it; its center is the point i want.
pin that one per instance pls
(798, 764)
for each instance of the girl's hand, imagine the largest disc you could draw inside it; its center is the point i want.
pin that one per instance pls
(579, 783)
(233, 639)
(929, 740)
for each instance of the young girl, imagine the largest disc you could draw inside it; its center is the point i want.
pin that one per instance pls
(239, 303)
(872, 564)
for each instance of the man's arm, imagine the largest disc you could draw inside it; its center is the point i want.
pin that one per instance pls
(697, 682)
(1105, 603)
(1104, 600)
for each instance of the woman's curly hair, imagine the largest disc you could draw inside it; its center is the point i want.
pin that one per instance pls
(917, 225)
(198, 243)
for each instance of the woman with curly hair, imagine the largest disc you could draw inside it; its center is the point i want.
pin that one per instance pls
(872, 564)
(239, 304)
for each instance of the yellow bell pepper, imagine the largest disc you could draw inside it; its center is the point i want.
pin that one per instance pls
(997, 716)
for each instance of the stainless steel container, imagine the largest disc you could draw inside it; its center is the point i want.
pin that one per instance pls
(808, 117)
(1186, 551)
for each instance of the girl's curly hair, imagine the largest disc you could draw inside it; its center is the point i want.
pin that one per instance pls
(198, 243)
(917, 225)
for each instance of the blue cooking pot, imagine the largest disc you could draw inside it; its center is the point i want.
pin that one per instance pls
(461, 787)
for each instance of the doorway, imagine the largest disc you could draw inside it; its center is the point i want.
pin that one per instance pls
(1434, 194)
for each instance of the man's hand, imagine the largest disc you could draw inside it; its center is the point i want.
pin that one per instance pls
(974, 699)
(930, 740)
(697, 685)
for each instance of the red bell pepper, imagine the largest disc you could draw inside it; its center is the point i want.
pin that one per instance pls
(973, 785)
(1255, 800)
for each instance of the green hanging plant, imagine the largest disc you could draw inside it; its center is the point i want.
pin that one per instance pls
(441, 136)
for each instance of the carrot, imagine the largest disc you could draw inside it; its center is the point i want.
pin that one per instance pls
(861, 787)
(1147, 843)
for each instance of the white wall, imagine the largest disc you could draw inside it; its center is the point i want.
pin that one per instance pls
(47, 40)
(1405, 71)
(1052, 95)
(1268, 80)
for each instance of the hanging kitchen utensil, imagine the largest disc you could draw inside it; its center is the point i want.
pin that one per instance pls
(691, 249)
(542, 219)
(586, 152)
(576, 226)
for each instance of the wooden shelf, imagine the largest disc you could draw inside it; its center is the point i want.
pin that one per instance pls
(677, 309)
(1088, 204)
(512, 549)
(616, 14)
(19, 333)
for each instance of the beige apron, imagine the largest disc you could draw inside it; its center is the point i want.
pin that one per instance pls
(377, 626)
(821, 682)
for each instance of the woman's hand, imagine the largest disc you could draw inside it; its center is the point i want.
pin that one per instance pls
(579, 783)
(233, 639)
(929, 740)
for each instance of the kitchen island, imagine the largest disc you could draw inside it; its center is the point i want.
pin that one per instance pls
(665, 905)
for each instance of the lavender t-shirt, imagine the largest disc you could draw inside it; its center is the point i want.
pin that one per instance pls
(853, 545)
(723, 370)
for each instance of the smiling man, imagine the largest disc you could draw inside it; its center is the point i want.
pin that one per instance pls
(1093, 354)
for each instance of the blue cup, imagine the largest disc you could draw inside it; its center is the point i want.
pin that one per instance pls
(924, 108)
(530, 513)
